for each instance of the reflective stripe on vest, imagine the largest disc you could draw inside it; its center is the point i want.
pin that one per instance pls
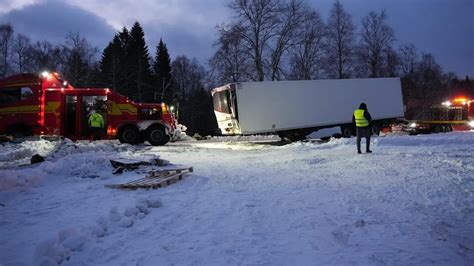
(96, 120)
(360, 119)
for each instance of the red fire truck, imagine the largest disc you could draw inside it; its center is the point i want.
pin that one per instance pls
(454, 114)
(46, 104)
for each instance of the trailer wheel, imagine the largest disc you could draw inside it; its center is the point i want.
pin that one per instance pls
(446, 128)
(347, 131)
(156, 135)
(293, 135)
(129, 134)
(375, 130)
(437, 129)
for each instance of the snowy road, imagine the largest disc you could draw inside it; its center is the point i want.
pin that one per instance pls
(411, 202)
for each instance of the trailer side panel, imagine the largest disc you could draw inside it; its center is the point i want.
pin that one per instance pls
(284, 105)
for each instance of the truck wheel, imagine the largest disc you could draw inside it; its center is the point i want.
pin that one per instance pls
(375, 129)
(19, 131)
(157, 136)
(347, 131)
(293, 135)
(296, 135)
(281, 134)
(446, 128)
(129, 134)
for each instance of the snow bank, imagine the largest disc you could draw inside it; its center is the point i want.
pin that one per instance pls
(408, 203)
(14, 154)
(69, 159)
(442, 139)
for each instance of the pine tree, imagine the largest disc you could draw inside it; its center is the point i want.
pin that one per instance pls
(111, 70)
(163, 79)
(138, 66)
(197, 113)
(124, 85)
(124, 37)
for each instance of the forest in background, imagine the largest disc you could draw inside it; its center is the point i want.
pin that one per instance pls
(265, 40)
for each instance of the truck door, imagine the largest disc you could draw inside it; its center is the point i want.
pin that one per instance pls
(90, 104)
(70, 116)
(9, 98)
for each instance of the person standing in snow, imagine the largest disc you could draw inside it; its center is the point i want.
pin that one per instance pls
(96, 125)
(362, 119)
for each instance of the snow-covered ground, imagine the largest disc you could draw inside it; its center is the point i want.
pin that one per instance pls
(411, 202)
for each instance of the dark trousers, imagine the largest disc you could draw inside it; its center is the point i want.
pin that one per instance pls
(363, 132)
(96, 132)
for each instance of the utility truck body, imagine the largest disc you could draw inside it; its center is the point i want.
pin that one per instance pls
(46, 104)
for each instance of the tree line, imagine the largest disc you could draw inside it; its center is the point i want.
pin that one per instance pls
(125, 65)
(288, 40)
(264, 40)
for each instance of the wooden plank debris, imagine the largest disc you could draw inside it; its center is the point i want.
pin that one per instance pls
(121, 165)
(155, 179)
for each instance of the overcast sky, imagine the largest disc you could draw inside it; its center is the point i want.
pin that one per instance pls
(444, 28)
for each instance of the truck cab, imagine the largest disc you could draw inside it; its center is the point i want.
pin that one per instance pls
(225, 109)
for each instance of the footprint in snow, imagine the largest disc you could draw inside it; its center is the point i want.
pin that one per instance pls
(59, 249)
(342, 235)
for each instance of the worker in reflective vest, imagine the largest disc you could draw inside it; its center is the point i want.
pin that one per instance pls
(362, 120)
(96, 125)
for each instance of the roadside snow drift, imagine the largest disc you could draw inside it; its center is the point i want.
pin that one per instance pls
(411, 202)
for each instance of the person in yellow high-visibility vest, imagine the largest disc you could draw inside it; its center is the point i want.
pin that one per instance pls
(362, 120)
(96, 125)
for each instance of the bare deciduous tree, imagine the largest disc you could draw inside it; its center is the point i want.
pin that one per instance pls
(291, 16)
(340, 42)
(231, 62)
(188, 76)
(79, 57)
(257, 23)
(46, 56)
(429, 78)
(6, 37)
(377, 38)
(306, 60)
(22, 50)
(408, 58)
(391, 63)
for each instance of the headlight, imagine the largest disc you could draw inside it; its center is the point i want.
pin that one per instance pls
(45, 74)
(413, 125)
(471, 123)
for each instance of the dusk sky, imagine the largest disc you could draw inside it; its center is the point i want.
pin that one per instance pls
(444, 28)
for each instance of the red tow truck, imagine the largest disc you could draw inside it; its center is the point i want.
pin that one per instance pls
(454, 114)
(45, 104)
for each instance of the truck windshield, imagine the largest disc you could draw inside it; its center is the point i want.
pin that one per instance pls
(221, 101)
(149, 114)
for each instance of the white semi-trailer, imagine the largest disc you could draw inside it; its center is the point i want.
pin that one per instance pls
(294, 109)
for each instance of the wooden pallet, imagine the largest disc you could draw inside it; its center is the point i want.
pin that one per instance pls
(155, 179)
(122, 165)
